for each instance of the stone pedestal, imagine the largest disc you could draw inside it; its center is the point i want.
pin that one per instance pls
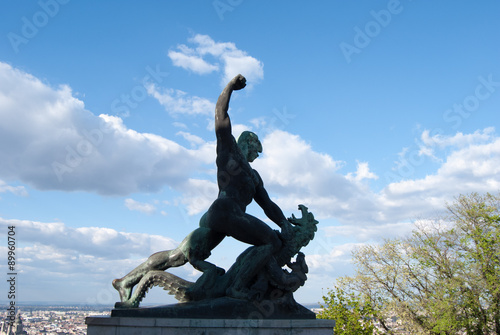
(222, 308)
(163, 326)
(216, 316)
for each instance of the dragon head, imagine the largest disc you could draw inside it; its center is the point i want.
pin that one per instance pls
(305, 227)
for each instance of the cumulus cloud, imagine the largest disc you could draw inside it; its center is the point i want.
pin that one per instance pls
(430, 143)
(294, 173)
(192, 139)
(90, 241)
(336, 256)
(139, 206)
(207, 56)
(54, 256)
(180, 125)
(298, 174)
(472, 165)
(373, 232)
(51, 142)
(198, 195)
(295, 164)
(363, 172)
(457, 140)
(188, 60)
(179, 102)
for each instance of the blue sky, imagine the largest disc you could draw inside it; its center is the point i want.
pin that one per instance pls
(373, 114)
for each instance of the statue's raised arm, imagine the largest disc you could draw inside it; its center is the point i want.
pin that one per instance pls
(222, 121)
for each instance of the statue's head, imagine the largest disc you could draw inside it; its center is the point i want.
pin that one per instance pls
(250, 145)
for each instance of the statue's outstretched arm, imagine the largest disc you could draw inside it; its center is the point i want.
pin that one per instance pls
(222, 122)
(272, 210)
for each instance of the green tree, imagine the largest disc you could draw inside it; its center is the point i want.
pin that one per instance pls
(352, 314)
(477, 221)
(442, 279)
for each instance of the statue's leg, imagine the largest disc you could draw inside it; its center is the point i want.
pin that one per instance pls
(159, 261)
(249, 229)
(166, 259)
(225, 216)
(200, 243)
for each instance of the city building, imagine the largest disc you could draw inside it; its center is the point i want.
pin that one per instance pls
(15, 328)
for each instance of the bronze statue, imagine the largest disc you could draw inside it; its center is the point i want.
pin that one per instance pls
(258, 266)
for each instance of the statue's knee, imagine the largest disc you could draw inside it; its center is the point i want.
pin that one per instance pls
(155, 258)
(151, 261)
(204, 220)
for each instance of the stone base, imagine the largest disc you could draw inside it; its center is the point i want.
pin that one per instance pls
(162, 326)
(222, 308)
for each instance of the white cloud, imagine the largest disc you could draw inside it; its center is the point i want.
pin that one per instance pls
(206, 45)
(223, 55)
(91, 241)
(459, 139)
(17, 190)
(472, 165)
(238, 62)
(51, 142)
(180, 125)
(294, 173)
(192, 139)
(373, 232)
(289, 161)
(363, 172)
(191, 62)
(179, 102)
(54, 257)
(334, 261)
(297, 174)
(259, 122)
(469, 167)
(429, 143)
(139, 206)
(198, 195)
(479, 162)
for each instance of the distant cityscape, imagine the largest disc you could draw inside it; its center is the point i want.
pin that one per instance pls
(55, 319)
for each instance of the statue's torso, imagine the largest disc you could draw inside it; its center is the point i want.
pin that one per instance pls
(235, 177)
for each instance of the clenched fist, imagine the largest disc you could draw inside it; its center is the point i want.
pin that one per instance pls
(238, 82)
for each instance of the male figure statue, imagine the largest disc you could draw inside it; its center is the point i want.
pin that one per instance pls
(238, 185)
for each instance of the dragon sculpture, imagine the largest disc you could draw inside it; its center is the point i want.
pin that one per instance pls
(271, 281)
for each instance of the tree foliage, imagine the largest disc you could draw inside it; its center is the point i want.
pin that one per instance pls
(443, 279)
(352, 314)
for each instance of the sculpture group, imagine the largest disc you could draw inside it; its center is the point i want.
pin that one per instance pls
(258, 272)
